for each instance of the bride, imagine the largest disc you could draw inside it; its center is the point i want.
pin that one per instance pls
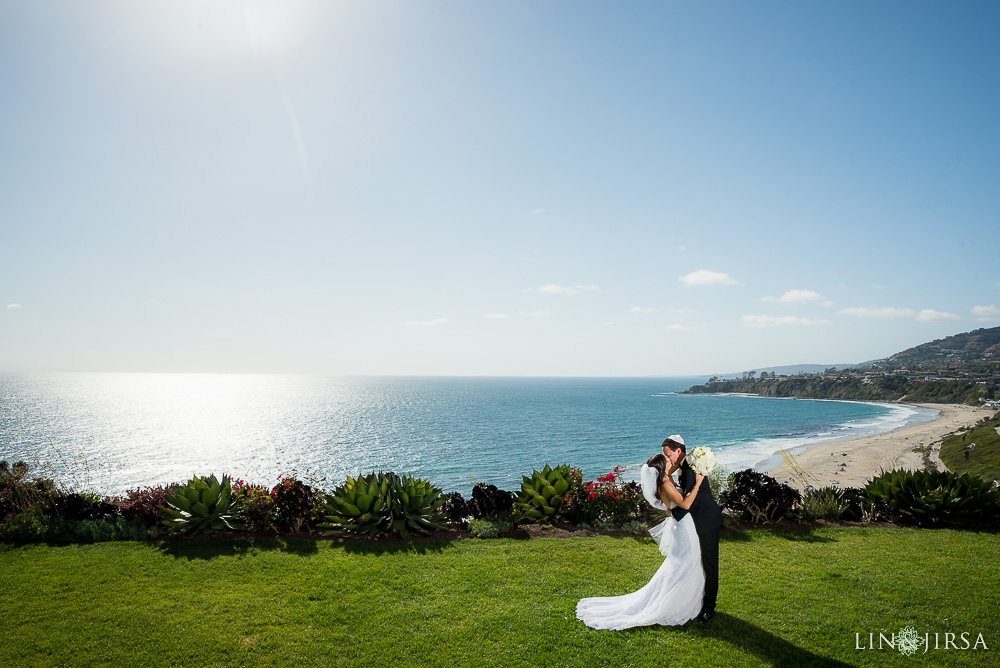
(674, 595)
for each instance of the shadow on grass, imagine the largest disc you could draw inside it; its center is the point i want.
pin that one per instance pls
(305, 547)
(210, 549)
(396, 547)
(767, 647)
(800, 536)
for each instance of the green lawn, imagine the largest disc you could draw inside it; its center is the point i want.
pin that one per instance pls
(787, 599)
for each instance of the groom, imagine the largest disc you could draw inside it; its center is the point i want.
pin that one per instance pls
(707, 516)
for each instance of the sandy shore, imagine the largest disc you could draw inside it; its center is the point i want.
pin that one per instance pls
(865, 457)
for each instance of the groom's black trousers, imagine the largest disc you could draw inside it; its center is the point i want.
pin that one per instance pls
(710, 562)
(707, 518)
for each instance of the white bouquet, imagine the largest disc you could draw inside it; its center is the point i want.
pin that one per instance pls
(702, 460)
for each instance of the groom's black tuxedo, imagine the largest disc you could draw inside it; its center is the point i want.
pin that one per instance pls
(707, 517)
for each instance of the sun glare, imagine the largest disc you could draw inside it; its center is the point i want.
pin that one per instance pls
(273, 28)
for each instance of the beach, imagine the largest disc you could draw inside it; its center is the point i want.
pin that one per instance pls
(864, 458)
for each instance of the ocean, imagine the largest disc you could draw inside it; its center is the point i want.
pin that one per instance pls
(109, 432)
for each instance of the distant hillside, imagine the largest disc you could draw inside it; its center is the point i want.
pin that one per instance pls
(964, 368)
(975, 348)
(793, 369)
(975, 451)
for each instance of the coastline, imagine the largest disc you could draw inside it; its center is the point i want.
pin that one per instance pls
(866, 457)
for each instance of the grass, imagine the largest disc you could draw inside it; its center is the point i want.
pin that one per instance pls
(787, 599)
(983, 459)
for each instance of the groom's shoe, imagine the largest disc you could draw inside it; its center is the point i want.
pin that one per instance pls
(704, 616)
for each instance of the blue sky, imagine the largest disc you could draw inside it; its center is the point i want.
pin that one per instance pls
(503, 188)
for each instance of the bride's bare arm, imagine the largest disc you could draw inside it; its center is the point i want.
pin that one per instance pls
(668, 491)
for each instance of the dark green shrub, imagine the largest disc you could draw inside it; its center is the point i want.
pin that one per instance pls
(854, 505)
(27, 527)
(455, 509)
(636, 527)
(937, 498)
(489, 501)
(107, 529)
(759, 498)
(491, 528)
(83, 507)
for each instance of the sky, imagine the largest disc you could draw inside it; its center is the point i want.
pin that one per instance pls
(493, 188)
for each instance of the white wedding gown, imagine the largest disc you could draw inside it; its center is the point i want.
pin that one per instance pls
(672, 597)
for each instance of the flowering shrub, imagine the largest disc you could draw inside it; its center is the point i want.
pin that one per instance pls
(293, 503)
(254, 505)
(144, 503)
(608, 499)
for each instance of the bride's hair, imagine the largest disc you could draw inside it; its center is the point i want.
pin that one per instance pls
(659, 462)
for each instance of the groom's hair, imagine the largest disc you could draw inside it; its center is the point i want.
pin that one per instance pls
(674, 445)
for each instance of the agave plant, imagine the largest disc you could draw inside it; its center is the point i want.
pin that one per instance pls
(357, 506)
(384, 503)
(415, 504)
(203, 504)
(825, 503)
(543, 495)
(936, 497)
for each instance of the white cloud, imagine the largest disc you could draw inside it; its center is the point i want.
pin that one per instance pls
(641, 309)
(537, 212)
(996, 284)
(704, 277)
(552, 289)
(930, 315)
(682, 248)
(990, 311)
(13, 306)
(686, 328)
(827, 303)
(497, 316)
(886, 313)
(780, 321)
(427, 323)
(799, 297)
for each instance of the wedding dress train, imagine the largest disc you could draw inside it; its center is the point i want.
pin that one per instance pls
(674, 594)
